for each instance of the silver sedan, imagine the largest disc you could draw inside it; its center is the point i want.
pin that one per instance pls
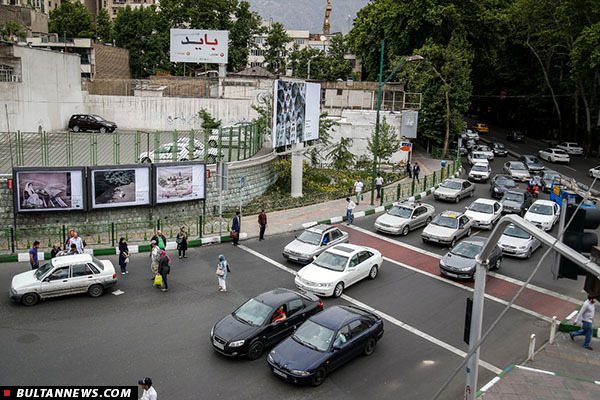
(454, 190)
(404, 217)
(517, 170)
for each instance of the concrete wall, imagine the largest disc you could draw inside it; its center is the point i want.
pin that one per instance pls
(33, 21)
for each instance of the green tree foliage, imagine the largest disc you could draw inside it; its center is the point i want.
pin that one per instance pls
(386, 144)
(71, 20)
(275, 48)
(340, 155)
(246, 25)
(208, 121)
(327, 66)
(326, 125)
(10, 29)
(265, 113)
(103, 26)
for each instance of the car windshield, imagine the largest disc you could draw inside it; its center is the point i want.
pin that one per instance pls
(503, 181)
(542, 209)
(466, 249)
(514, 231)
(98, 263)
(479, 155)
(532, 160)
(518, 197)
(484, 148)
(445, 221)
(482, 208)
(451, 185)
(97, 118)
(401, 212)
(551, 177)
(499, 145)
(334, 262)
(310, 237)
(313, 335)
(41, 271)
(253, 312)
(517, 166)
(479, 168)
(561, 152)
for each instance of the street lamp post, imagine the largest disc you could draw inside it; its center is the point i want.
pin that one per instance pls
(376, 139)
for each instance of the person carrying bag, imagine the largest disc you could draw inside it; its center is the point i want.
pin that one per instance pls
(222, 270)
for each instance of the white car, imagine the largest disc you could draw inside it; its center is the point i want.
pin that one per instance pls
(63, 275)
(518, 243)
(184, 153)
(571, 148)
(554, 155)
(480, 172)
(476, 156)
(454, 190)
(484, 213)
(487, 150)
(594, 172)
(404, 217)
(471, 134)
(543, 214)
(338, 268)
(447, 227)
(517, 170)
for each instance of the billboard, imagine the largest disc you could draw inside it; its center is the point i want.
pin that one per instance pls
(410, 121)
(199, 46)
(119, 186)
(179, 182)
(296, 111)
(49, 189)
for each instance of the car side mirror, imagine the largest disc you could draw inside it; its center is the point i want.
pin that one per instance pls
(336, 348)
(47, 279)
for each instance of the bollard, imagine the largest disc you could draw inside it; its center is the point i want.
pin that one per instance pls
(381, 197)
(531, 353)
(553, 326)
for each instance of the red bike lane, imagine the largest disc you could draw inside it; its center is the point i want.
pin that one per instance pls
(530, 299)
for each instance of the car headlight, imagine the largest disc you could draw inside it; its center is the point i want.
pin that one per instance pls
(270, 357)
(298, 372)
(212, 330)
(329, 284)
(465, 268)
(237, 343)
(496, 190)
(442, 263)
(522, 247)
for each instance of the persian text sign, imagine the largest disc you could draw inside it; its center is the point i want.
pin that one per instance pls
(199, 46)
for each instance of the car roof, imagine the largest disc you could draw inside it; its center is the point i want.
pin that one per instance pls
(320, 228)
(276, 297)
(345, 249)
(482, 163)
(457, 180)
(75, 258)
(516, 190)
(544, 202)
(474, 239)
(478, 152)
(337, 316)
(485, 201)
(451, 213)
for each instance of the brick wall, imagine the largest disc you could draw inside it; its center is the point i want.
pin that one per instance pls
(111, 62)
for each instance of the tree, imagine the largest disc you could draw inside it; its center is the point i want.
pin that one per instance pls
(208, 121)
(103, 26)
(341, 156)
(275, 48)
(326, 125)
(241, 35)
(265, 113)
(10, 29)
(71, 20)
(387, 145)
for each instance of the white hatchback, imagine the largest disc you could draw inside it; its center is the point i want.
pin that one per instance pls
(337, 268)
(63, 275)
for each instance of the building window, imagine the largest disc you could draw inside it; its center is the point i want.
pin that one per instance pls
(352, 63)
(6, 73)
(114, 11)
(259, 40)
(300, 41)
(257, 52)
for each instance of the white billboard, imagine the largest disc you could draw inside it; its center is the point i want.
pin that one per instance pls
(199, 46)
(296, 111)
(410, 120)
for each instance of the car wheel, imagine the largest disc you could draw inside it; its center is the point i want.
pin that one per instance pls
(212, 143)
(255, 350)
(405, 230)
(370, 347)
(103, 130)
(472, 194)
(428, 221)
(96, 290)
(318, 377)
(211, 159)
(498, 263)
(75, 128)
(457, 199)
(373, 272)
(453, 242)
(470, 231)
(528, 254)
(30, 299)
(339, 288)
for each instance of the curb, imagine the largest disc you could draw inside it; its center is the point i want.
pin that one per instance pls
(338, 219)
(566, 325)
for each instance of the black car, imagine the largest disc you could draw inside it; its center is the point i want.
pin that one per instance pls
(325, 342)
(460, 261)
(500, 184)
(515, 136)
(90, 122)
(253, 326)
(532, 163)
(499, 149)
(516, 201)
(546, 178)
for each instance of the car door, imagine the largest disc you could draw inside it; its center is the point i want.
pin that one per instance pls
(420, 216)
(463, 226)
(365, 262)
(352, 270)
(295, 315)
(276, 330)
(359, 330)
(497, 211)
(341, 351)
(337, 236)
(82, 277)
(466, 189)
(556, 209)
(56, 283)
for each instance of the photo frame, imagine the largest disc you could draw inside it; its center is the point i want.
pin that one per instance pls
(176, 182)
(119, 186)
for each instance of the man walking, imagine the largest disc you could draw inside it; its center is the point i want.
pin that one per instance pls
(358, 187)
(349, 207)
(416, 171)
(235, 228)
(78, 242)
(33, 255)
(585, 317)
(149, 392)
(160, 239)
(262, 223)
(378, 184)
(408, 169)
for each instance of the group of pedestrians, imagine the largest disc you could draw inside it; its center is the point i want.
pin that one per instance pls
(414, 171)
(74, 243)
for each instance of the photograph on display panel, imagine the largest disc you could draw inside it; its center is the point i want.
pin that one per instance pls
(119, 187)
(296, 112)
(49, 190)
(180, 182)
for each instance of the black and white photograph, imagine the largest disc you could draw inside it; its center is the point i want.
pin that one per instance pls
(119, 187)
(296, 113)
(49, 190)
(179, 183)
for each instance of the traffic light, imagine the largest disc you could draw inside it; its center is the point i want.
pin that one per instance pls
(577, 239)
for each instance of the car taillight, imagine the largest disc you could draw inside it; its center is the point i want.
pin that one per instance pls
(320, 305)
(114, 276)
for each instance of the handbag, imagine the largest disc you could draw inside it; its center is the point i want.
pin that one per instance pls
(233, 234)
(220, 272)
(126, 260)
(158, 280)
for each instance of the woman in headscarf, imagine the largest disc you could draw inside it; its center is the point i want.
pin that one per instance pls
(163, 269)
(222, 273)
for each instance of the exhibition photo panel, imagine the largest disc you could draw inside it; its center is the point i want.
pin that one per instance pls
(179, 182)
(50, 189)
(120, 186)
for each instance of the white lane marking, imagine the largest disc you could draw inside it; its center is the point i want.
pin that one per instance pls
(458, 285)
(389, 318)
(489, 384)
(422, 334)
(494, 274)
(541, 371)
(572, 169)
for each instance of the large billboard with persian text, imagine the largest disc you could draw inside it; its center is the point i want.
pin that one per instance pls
(199, 46)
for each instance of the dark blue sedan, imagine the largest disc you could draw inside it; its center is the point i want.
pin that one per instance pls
(325, 342)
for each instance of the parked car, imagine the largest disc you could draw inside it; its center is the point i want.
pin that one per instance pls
(484, 213)
(338, 268)
(481, 128)
(594, 172)
(252, 326)
(480, 172)
(515, 136)
(554, 155)
(573, 149)
(471, 134)
(454, 190)
(460, 261)
(80, 273)
(546, 179)
(404, 217)
(543, 214)
(532, 163)
(516, 201)
(324, 343)
(518, 243)
(499, 149)
(183, 152)
(90, 122)
(487, 150)
(236, 131)
(500, 184)
(476, 156)
(447, 227)
(312, 242)
(517, 170)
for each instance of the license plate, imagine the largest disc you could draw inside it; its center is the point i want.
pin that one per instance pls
(278, 372)
(218, 345)
(293, 258)
(451, 275)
